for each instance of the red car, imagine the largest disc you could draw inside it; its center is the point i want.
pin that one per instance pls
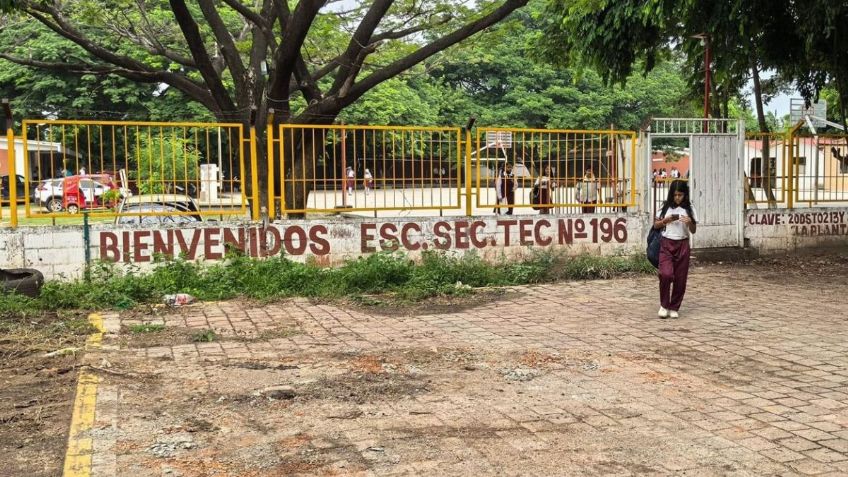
(86, 192)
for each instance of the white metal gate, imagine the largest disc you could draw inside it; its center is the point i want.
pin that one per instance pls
(715, 179)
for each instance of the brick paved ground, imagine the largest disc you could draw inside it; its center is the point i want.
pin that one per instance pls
(565, 379)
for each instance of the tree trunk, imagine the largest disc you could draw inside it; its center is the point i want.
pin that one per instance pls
(767, 178)
(298, 166)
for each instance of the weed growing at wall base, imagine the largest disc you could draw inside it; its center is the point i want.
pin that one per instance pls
(435, 274)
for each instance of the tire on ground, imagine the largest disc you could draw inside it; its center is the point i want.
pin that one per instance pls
(25, 281)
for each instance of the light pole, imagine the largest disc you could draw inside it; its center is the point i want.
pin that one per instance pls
(705, 41)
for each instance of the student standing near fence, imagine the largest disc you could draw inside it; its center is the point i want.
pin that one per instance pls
(587, 191)
(678, 220)
(545, 186)
(368, 180)
(351, 180)
(505, 187)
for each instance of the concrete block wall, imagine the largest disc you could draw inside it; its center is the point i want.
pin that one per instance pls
(59, 251)
(776, 231)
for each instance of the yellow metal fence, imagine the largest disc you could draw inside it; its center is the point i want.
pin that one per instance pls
(766, 165)
(819, 165)
(134, 169)
(338, 168)
(797, 168)
(554, 170)
(125, 169)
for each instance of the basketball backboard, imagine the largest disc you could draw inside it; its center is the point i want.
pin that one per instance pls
(499, 139)
(798, 110)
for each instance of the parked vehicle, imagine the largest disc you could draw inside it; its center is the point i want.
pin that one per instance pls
(75, 193)
(87, 192)
(158, 209)
(5, 188)
(48, 194)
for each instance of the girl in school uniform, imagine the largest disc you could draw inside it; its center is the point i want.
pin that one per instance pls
(678, 221)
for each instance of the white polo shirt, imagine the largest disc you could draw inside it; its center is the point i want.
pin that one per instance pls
(677, 230)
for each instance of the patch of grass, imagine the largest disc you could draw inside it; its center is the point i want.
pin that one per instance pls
(205, 336)
(146, 328)
(435, 274)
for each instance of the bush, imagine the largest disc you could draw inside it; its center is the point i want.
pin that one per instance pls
(164, 162)
(238, 275)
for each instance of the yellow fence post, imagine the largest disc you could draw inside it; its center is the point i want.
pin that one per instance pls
(13, 178)
(793, 174)
(272, 212)
(467, 168)
(633, 160)
(282, 169)
(254, 173)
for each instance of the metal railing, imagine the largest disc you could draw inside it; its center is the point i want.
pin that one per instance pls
(98, 167)
(560, 171)
(340, 168)
(93, 166)
(691, 126)
(659, 191)
(819, 168)
(766, 165)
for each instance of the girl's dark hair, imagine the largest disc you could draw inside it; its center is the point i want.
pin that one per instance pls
(679, 186)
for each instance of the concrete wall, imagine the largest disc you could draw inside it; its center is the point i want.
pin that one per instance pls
(59, 252)
(781, 230)
(55, 251)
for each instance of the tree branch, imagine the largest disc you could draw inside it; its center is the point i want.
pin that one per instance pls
(422, 54)
(351, 58)
(66, 30)
(154, 45)
(192, 90)
(247, 13)
(191, 32)
(228, 46)
(305, 82)
(288, 52)
(128, 67)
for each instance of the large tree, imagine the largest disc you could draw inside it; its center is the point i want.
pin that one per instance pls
(500, 80)
(240, 58)
(745, 38)
(802, 40)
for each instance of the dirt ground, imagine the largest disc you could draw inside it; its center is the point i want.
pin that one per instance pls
(575, 378)
(37, 391)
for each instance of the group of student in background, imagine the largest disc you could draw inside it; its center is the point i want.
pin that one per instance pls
(543, 187)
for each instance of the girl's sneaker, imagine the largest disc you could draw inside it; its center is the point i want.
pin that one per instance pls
(663, 313)
(673, 314)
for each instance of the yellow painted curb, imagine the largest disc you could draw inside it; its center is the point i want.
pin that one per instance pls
(78, 454)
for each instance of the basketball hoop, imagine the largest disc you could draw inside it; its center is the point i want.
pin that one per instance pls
(817, 112)
(499, 139)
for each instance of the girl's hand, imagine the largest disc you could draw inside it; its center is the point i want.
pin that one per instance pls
(685, 219)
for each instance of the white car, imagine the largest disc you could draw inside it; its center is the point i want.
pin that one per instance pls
(157, 210)
(50, 193)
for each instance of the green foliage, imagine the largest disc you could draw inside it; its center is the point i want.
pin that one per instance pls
(162, 161)
(495, 76)
(392, 102)
(146, 328)
(799, 40)
(501, 80)
(205, 336)
(68, 95)
(380, 273)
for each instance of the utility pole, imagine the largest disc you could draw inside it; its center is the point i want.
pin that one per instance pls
(705, 41)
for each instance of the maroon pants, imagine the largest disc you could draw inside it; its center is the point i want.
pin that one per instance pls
(674, 270)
